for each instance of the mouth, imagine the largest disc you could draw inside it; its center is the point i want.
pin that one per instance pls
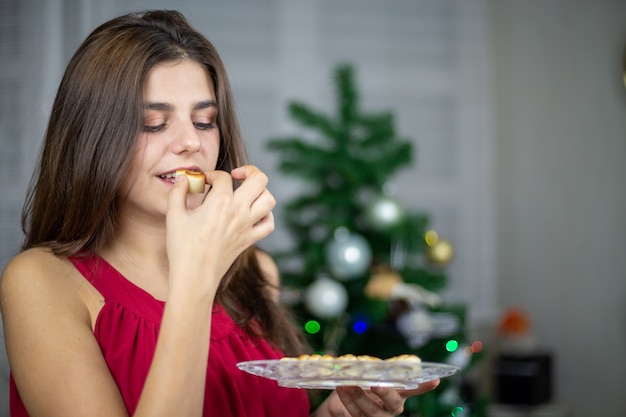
(170, 177)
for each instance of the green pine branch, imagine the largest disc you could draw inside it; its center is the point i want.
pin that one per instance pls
(355, 149)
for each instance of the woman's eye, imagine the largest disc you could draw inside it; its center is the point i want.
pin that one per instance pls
(153, 129)
(204, 126)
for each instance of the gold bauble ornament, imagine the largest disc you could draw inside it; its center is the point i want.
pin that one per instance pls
(440, 251)
(382, 282)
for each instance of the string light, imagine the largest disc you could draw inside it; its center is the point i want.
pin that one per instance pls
(452, 345)
(312, 327)
(457, 411)
(359, 326)
(477, 346)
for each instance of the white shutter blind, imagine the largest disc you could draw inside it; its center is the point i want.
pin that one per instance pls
(428, 61)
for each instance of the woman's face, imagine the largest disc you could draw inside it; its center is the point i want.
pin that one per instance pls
(180, 132)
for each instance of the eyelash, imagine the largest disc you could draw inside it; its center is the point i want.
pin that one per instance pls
(153, 129)
(204, 126)
(199, 126)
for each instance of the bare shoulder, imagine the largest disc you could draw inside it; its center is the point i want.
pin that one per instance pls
(31, 269)
(38, 276)
(31, 260)
(55, 359)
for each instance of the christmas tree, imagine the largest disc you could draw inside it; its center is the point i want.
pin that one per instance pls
(363, 273)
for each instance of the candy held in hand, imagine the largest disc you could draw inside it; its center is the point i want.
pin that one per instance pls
(196, 180)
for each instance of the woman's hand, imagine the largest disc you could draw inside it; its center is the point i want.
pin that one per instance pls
(379, 402)
(208, 238)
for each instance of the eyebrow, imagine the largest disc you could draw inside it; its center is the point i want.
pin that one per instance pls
(168, 107)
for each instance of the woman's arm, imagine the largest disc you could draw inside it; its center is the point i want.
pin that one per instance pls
(202, 244)
(56, 361)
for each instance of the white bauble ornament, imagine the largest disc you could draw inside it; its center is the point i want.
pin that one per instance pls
(450, 396)
(419, 326)
(326, 298)
(383, 213)
(348, 255)
(460, 357)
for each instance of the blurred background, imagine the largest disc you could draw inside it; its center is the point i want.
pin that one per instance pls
(516, 113)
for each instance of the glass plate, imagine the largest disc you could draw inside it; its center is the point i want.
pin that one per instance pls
(328, 374)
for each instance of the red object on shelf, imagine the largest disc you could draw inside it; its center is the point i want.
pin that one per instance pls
(515, 322)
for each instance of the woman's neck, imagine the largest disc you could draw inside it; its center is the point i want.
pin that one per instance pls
(139, 253)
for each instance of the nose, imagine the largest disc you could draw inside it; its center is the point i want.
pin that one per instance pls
(186, 139)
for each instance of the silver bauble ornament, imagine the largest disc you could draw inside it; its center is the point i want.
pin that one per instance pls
(460, 357)
(326, 298)
(383, 213)
(348, 255)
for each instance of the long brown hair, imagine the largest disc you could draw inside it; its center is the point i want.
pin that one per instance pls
(95, 121)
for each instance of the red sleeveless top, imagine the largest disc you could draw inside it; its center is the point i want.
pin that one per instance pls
(127, 328)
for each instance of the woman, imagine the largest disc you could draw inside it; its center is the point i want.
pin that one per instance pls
(133, 296)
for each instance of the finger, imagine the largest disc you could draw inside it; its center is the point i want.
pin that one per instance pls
(264, 227)
(253, 179)
(345, 394)
(219, 180)
(391, 399)
(423, 388)
(244, 171)
(178, 193)
(358, 403)
(263, 204)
